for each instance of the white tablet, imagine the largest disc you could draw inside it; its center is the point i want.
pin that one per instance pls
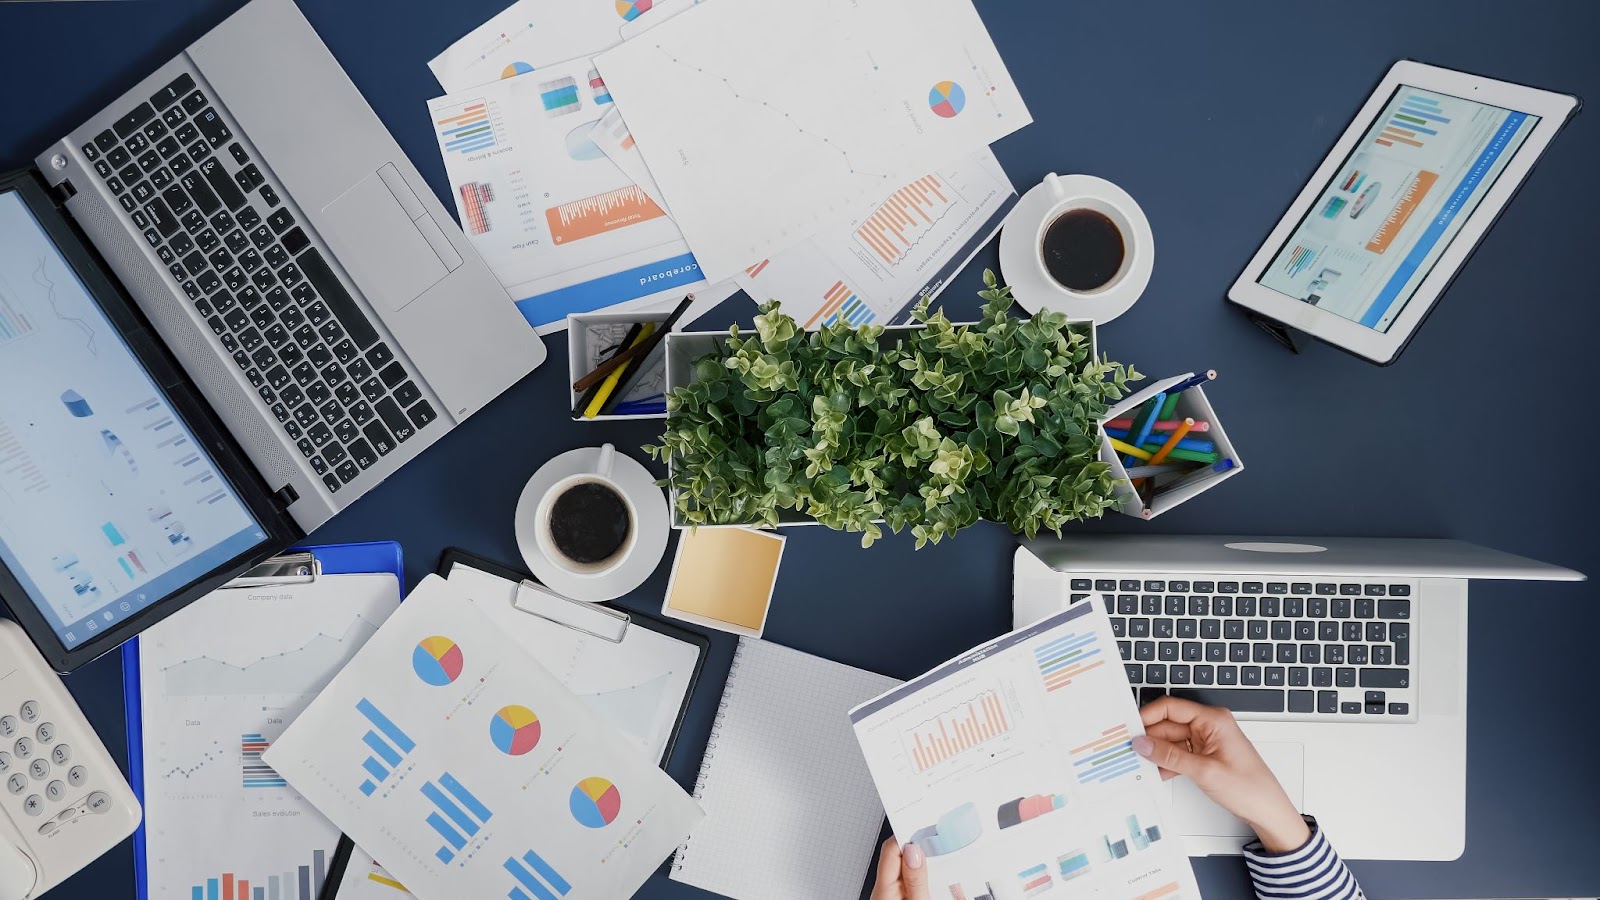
(1388, 218)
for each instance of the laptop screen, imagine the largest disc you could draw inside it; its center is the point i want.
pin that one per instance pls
(107, 503)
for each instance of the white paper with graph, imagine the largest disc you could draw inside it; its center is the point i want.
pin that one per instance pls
(764, 121)
(218, 682)
(449, 753)
(532, 34)
(874, 267)
(563, 229)
(1012, 768)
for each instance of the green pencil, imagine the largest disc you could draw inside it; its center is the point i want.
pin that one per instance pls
(1170, 407)
(1186, 455)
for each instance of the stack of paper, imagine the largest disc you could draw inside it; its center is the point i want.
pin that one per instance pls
(829, 155)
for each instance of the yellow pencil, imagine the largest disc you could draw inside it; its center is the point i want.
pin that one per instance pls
(610, 384)
(1172, 442)
(1131, 450)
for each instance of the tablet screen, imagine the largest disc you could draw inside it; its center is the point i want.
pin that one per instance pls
(107, 503)
(1396, 202)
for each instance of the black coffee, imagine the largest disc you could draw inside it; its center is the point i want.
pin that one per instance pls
(1082, 249)
(589, 523)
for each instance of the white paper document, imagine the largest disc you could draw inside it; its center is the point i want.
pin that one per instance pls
(1012, 767)
(765, 121)
(451, 755)
(563, 229)
(217, 683)
(532, 34)
(874, 267)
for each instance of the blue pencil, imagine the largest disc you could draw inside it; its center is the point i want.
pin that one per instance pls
(1147, 423)
(1198, 445)
(1202, 378)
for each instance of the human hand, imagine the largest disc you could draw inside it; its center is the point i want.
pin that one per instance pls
(1205, 743)
(901, 876)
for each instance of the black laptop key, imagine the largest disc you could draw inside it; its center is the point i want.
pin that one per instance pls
(320, 434)
(292, 355)
(1288, 653)
(181, 243)
(305, 335)
(306, 415)
(1269, 606)
(1236, 699)
(1385, 678)
(130, 173)
(407, 393)
(1161, 628)
(236, 242)
(161, 217)
(1399, 709)
(217, 177)
(249, 178)
(1261, 653)
(236, 320)
(149, 161)
(256, 380)
(320, 356)
(250, 339)
(1394, 609)
(1150, 604)
(270, 195)
(137, 144)
(1178, 674)
(1383, 655)
(338, 299)
(205, 199)
(1277, 587)
(1188, 628)
(1311, 654)
(235, 278)
(1302, 701)
(421, 415)
(347, 471)
(1322, 676)
(1305, 630)
(275, 256)
(261, 236)
(1175, 605)
(1299, 676)
(1327, 701)
(1352, 632)
(303, 373)
(222, 222)
(1281, 631)
(1345, 677)
(264, 279)
(1144, 650)
(1257, 630)
(1333, 655)
(346, 431)
(1376, 632)
(1227, 674)
(1205, 675)
(1273, 676)
(1233, 629)
(1400, 636)
(1250, 676)
(1167, 651)
(295, 240)
(363, 455)
(1358, 654)
(211, 126)
(292, 394)
(1327, 631)
(1317, 607)
(318, 393)
(1245, 606)
(379, 436)
(194, 221)
(262, 316)
(251, 260)
(131, 122)
(265, 357)
(1238, 652)
(102, 167)
(1399, 590)
(390, 413)
(1294, 607)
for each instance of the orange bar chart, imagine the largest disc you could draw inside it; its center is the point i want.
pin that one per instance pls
(600, 214)
(958, 729)
(905, 218)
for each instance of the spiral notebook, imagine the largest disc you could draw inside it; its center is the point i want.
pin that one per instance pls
(791, 810)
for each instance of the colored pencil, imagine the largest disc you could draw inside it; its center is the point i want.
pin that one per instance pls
(610, 383)
(588, 394)
(1172, 443)
(1125, 422)
(1129, 450)
(1170, 408)
(1146, 419)
(1202, 378)
(1180, 453)
(642, 348)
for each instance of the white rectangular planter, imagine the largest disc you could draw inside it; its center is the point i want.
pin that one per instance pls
(684, 347)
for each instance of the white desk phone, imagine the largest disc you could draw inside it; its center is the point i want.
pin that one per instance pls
(63, 802)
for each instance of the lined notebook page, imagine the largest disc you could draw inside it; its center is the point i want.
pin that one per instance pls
(791, 810)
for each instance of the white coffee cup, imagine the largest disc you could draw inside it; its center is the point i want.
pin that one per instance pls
(1067, 201)
(600, 475)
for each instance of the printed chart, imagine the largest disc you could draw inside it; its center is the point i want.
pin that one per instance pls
(1066, 657)
(220, 822)
(532, 35)
(1107, 758)
(964, 727)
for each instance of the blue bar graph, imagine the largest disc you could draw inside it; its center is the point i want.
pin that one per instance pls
(392, 751)
(213, 888)
(198, 893)
(540, 878)
(459, 815)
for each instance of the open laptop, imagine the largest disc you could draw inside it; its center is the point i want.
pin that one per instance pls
(229, 307)
(1345, 659)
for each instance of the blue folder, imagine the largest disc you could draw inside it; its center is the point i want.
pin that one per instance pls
(335, 559)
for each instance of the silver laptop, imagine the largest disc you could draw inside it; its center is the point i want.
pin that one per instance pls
(288, 258)
(1344, 658)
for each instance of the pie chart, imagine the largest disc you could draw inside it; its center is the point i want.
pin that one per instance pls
(515, 730)
(437, 660)
(595, 802)
(947, 99)
(630, 9)
(515, 69)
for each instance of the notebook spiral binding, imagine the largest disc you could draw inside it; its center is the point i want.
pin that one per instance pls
(711, 750)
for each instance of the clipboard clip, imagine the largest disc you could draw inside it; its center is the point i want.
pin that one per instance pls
(587, 618)
(290, 568)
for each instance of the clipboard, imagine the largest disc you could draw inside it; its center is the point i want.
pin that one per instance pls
(299, 565)
(601, 621)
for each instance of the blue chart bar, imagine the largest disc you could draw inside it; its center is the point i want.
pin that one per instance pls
(1425, 101)
(459, 815)
(213, 886)
(199, 893)
(1108, 764)
(391, 751)
(540, 878)
(1428, 114)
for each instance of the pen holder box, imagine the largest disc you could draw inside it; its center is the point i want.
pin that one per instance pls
(1192, 403)
(588, 337)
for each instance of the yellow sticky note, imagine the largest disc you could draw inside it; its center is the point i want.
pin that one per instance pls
(724, 575)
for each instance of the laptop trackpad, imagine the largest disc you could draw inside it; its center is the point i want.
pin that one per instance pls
(1197, 815)
(379, 245)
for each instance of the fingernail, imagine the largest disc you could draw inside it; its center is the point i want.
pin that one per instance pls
(912, 856)
(1143, 745)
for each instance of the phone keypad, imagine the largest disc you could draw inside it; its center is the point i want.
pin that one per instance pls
(38, 771)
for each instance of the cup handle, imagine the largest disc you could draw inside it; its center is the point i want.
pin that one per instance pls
(608, 455)
(1055, 184)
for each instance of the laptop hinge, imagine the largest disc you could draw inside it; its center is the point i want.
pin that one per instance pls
(62, 192)
(286, 495)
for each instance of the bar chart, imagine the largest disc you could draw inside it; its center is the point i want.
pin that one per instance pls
(536, 879)
(468, 130)
(964, 727)
(1035, 880)
(254, 773)
(906, 218)
(1299, 260)
(601, 213)
(841, 302)
(1135, 840)
(13, 324)
(388, 743)
(305, 883)
(1106, 758)
(1073, 864)
(1067, 657)
(1417, 119)
(458, 815)
(474, 196)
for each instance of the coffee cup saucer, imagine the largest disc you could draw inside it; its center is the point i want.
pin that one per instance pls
(1022, 269)
(653, 524)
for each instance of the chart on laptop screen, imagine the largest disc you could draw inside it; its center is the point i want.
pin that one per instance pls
(1392, 209)
(106, 501)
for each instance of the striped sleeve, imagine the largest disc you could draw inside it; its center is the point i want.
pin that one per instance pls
(1313, 872)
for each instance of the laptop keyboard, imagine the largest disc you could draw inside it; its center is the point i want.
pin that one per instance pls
(269, 297)
(1302, 650)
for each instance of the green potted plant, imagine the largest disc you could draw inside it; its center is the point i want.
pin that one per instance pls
(928, 427)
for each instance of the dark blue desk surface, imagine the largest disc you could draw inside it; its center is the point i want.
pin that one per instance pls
(1211, 115)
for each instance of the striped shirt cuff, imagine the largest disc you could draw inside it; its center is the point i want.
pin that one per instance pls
(1313, 872)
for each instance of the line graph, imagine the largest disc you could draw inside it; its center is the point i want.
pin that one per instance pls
(43, 280)
(307, 669)
(185, 772)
